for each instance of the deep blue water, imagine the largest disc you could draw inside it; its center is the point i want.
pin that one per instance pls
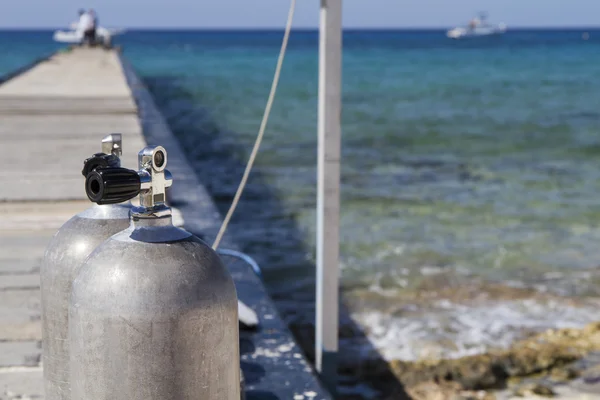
(477, 158)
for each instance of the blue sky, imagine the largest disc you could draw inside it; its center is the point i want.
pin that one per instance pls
(272, 13)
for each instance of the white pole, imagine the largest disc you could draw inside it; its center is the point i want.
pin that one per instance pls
(328, 191)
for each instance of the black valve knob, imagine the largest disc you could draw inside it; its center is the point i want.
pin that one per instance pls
(112, 185)
(99, 160)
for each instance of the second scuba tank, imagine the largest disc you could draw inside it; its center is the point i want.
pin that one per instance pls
(67, 250)
(153, 312)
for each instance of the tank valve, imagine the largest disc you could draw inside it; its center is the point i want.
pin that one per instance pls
(110, 156)
(109, 184)
(113, 144)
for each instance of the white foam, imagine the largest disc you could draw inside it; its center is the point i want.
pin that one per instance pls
(451, 330)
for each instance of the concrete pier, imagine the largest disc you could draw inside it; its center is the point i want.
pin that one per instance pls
(51, 117)
(54, 115)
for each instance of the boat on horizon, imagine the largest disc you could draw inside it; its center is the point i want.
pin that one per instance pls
(73, 36)
(477, 27)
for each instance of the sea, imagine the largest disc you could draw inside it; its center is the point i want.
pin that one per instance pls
(470, 199)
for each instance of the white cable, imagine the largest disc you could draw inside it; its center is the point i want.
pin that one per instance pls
(263, 126)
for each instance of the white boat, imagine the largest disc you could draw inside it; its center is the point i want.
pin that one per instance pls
(103, 35)
(477, 27)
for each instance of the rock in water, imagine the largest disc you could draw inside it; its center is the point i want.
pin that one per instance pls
(552, 350)
(534, 388)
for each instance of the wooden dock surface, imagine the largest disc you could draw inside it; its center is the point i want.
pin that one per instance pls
(51, 117)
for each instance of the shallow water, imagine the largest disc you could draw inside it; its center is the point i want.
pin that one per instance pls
(476, 158)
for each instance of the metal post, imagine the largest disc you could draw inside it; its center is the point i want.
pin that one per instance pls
(328, 191)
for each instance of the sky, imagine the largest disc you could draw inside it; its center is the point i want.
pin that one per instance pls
(272, 13)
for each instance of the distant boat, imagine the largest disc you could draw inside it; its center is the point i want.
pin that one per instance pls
(477, 27)
(73, 36)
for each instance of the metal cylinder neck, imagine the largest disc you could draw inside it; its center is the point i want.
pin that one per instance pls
(145, 213)
(139, 218)
(155, 227)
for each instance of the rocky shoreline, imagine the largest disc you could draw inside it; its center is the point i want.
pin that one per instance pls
(446, 315)
(533, 367)
(547, 352)
(561, 363)
(537, 362)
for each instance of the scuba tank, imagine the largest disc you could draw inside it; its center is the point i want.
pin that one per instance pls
(153, 312)
(67, 250)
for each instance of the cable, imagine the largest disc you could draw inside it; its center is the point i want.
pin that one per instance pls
(262, 128)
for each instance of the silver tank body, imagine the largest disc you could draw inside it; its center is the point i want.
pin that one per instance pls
(153, 316)
(67, 250)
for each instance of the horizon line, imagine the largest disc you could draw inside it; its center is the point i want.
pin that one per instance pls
(301, 28)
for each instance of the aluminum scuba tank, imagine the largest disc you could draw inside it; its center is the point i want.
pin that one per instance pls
(153, 312)
(67, 250)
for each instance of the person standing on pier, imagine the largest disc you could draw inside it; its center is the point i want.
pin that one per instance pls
(94, 18)
(87, 27)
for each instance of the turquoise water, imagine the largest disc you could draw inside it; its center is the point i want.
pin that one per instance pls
(19, 48)
(478, 159)
(479, 155)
